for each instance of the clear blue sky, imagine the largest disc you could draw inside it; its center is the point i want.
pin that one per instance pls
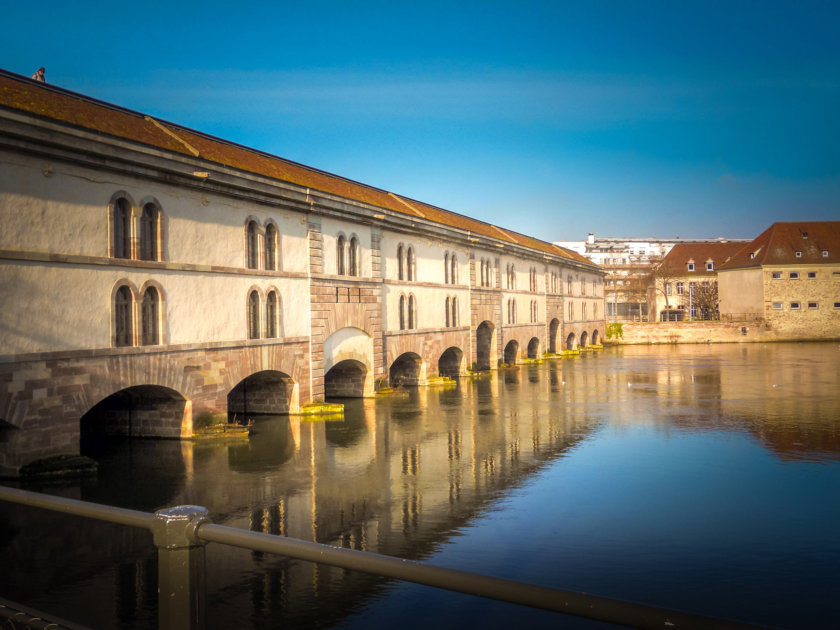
(632, 118)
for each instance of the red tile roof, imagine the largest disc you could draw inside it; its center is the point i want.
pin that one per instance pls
(817, 242)
(676, 262)
(51, 102)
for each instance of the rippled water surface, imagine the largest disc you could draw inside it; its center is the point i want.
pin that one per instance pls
(702, 478)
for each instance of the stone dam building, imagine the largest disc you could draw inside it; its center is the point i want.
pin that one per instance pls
(152, 276)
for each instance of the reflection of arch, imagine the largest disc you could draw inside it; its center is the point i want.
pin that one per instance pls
(511, 352)
(268, 391)
(534, 348)
(570, 341)
(595, 338)
(483, 345)
(450, 361)
(583, 339)
(406, 370)
(553, 329)
(139, 411)
(346, 379)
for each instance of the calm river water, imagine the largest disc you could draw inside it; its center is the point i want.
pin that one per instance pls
(702, 478)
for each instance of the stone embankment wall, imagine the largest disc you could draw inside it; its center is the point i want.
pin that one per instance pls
(705, 332)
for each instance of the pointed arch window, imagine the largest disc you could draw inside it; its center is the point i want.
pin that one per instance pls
(339, 255)
(271, 311)
(448, 313)
(123, 306)
(446, 268)
(354, 257)
(453, 270)
(149, 230)
(454, 311)
(253, 315)
(402, 312)
(271, 247)
(411, 264)
(122, 228)
(412, 312)
(151, 317)
(401, 262)
(253, 255)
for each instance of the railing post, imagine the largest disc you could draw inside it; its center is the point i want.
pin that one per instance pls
(181, 573)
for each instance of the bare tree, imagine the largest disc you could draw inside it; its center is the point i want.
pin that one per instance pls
(663, 277)
(704, 299)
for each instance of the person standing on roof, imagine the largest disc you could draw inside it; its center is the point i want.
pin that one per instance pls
(39, 75)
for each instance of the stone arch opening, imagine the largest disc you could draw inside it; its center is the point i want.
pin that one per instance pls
(553, 329)
(483, 345)
(596, 338)
(450, 362)
(583, 339)
(139, 411)
(570, 341)
(406, 371)
(511, 352)
(534, 348)
(346, 379)
(266, 392)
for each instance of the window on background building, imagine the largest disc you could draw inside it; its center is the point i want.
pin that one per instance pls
(798, 254)
(777, 306)
(122, 229)
(123, 307)
(569, 285)
(149, 232)
(813, 305)
(777, 275)
(150, 317)
(837, 305)
(583, 311)
(794, 275)
(825, 253)
(340, 246)
(253, 255)
(812, 274)
(668, 289)
(710, 266)
(680, 288)
(794, 306)
(271, 315)
(532, 280)
(691, 266)
(270, 247)
(353, 257)
(582, 286)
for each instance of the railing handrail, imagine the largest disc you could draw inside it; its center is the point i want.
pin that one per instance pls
(190, 530)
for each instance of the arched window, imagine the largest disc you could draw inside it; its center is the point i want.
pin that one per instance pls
(253, 258)
(453, 272)
(583, 313)
(454, 311)
(270, 247)
(253, 315)
(354, 257)
(569, 283)
(122, 228)
(401, 262)
(402, 312)
(412, 311)
(339, 255)
(410, 264)
(149, 232)
(446, 268)
(123, 305)
(150, 317)
(448, 306)
(271, 315)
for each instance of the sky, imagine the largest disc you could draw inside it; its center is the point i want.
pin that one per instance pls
(554, 119)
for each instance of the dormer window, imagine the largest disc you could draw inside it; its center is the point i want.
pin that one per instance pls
(825, 253)
(691, 266)
(710, 266)
(752, 255)
(799, 254)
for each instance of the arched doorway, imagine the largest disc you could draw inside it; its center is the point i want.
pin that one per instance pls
(583, 339)
(534, 348)
(406, 370)
(483, 345)
(140, 411)
(346, 379)
(266, 392)
(570, 341)
(511, 352)
(553, 329)
(450, 361)
(595, 338)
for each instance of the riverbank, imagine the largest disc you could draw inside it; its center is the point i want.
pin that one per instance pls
(642, 333)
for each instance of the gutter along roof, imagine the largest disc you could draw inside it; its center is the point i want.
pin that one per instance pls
(54, 103)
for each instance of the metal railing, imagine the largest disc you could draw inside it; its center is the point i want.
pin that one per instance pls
(181, 533)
